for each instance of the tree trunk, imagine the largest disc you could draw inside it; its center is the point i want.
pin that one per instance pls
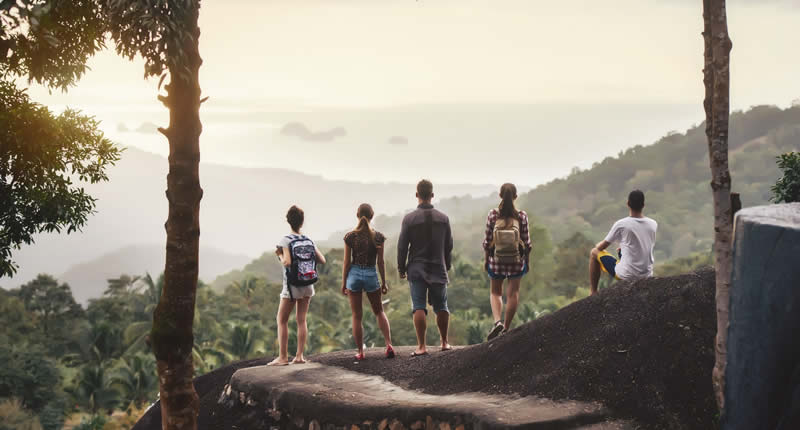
(171, 336)
(716, 77)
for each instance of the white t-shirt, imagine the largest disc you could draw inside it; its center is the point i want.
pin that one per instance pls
(636, 237)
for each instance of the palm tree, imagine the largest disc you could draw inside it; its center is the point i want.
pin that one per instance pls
(245, 289)
(324, 337)
(93, 390)
(120, 286)
(243, 341)
(148, 293)
(136, 379)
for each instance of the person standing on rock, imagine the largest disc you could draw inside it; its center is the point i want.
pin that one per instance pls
(636, 236)
(363, 250)
(507, 247)
(299, 257)
(424, 251)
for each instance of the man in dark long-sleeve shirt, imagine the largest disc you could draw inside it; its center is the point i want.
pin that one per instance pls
(423, 256)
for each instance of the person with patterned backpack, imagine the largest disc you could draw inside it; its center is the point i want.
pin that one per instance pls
(299, 257)
(507, 247)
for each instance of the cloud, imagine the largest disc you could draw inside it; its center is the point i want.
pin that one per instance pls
(301, 131)
(398, 140)
(147, 127)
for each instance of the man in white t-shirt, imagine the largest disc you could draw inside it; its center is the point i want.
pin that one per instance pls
(636, 236)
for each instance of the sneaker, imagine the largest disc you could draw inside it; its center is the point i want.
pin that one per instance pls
(498, 327)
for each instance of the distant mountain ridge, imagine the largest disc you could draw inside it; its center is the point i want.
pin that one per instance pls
(136, 260)
(242, 213)
(673, 172)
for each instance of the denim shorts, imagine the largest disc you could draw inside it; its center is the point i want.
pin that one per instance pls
(497, 276)
(436, 296)
(362, 278)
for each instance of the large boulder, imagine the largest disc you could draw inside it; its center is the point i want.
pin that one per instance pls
(763, 373)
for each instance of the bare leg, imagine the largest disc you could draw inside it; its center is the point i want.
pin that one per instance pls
(443, 321)
(512, 301)
(420, 324)
(302, 329)
(380, 315)
(594, 271)
(358, 329)
(496, 299)
(284, 311)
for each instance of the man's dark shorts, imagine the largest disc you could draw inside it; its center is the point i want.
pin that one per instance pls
(435, 294)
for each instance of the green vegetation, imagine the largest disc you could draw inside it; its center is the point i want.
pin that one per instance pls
(63, 361)
(578, 210)
(98, 357)
(787, 189)
(42, 154)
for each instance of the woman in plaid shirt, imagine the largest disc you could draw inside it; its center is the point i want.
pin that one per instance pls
(500, 271)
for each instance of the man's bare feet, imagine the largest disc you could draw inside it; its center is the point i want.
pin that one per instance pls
(446, 347)
(419, 351)
(278, 362)
(299, 360)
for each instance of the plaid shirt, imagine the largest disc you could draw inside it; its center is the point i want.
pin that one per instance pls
(505, 268)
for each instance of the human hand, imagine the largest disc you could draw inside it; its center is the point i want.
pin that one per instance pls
(344, 290)
(384, 288)
(402, 275)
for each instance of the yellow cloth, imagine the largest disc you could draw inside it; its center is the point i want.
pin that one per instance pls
(602, 265)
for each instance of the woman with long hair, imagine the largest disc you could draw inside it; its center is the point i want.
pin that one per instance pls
(363, 251)
(507, 246)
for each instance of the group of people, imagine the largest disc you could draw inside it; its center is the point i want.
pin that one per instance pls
(424, 250)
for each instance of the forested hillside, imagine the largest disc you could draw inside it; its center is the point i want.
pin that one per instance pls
(570, 214)
(93, 359)
(674, 174)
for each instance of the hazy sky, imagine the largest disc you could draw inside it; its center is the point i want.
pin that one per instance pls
(320, 59)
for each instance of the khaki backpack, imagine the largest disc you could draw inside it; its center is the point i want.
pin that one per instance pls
(506, 241)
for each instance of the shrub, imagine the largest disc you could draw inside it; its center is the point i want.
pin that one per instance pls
(787, 189)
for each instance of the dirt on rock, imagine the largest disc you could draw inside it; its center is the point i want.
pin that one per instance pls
(642, 349)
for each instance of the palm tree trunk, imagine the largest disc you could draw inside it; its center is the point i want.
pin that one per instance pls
(717, 105)
(171, 336)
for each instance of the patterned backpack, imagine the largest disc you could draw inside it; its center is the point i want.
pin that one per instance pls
(303, 271)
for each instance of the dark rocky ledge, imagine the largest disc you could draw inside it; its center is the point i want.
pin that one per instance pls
(636, 355)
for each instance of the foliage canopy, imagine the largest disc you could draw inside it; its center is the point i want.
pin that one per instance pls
(42, 155)
(787, 189)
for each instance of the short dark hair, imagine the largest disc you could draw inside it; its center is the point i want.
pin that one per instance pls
(425, 189)
(295, 217)
(636, 200)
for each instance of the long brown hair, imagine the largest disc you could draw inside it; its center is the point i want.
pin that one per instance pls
(365, 214)
(508, 192)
